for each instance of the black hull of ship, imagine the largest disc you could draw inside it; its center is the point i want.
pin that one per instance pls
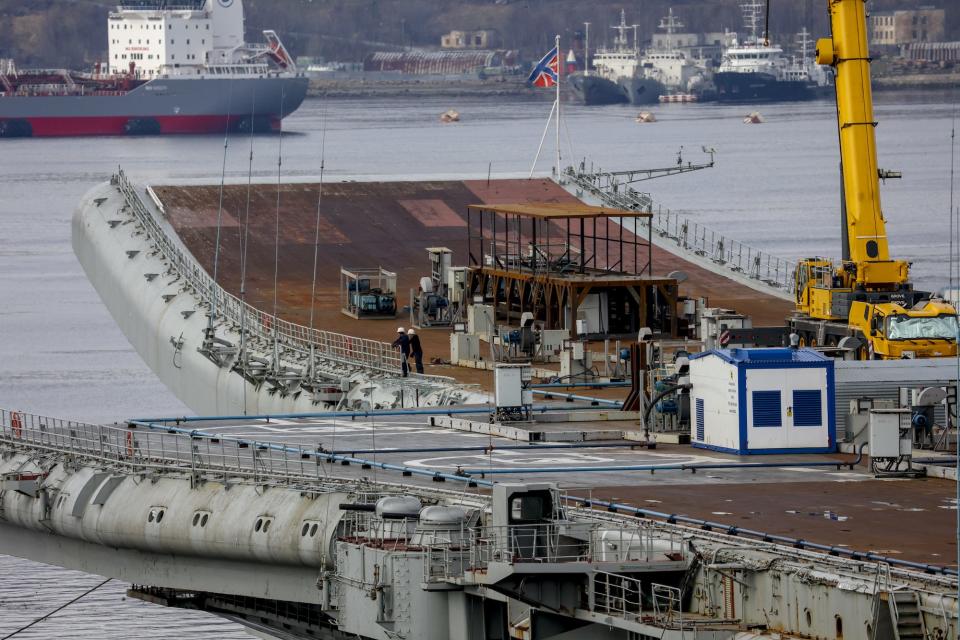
(594, 90)
(759, 87)
(642, 90)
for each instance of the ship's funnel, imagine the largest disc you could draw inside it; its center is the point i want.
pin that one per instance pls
(226, 23)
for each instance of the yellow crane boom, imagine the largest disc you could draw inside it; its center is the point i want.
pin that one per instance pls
(866, 235)
(866, 302)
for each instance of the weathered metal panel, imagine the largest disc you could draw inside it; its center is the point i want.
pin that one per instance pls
(880, 379)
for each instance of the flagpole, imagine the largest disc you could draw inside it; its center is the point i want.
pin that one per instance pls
(546, 129)
(559, 73)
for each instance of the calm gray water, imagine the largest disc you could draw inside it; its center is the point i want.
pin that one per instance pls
(775, 185)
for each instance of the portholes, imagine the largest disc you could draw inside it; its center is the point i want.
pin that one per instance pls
(309, 528)
(152, 516)
(160, 516)
(313, 530)
(305, 530)
(809, 617)
(200, 519)
(266, 525)
(156, 514)
(203, 520)
(196, 519)
(259, 525)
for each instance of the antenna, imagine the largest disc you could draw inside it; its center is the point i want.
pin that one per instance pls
(211, 317)
(244, 243)
(316, 238)
(276, 245)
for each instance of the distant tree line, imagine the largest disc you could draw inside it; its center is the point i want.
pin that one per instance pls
(73, 33)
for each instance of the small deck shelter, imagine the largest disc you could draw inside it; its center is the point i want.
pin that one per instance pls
(549, 258)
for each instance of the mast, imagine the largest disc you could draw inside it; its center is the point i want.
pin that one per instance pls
(586, 50)
(621, 41)
(670, 23)
(559, 74)
(751, 18)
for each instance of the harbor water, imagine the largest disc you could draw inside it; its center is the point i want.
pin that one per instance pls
(775, 186)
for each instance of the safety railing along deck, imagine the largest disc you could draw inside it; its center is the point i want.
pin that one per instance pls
(347, 350)
(578, 542)
(688, 235)
(146, 451)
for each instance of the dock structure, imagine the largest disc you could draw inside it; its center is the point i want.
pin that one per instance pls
(548, 258)
(431, 547)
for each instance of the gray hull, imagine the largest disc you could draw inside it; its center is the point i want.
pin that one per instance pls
(180, 105)
(642, 90)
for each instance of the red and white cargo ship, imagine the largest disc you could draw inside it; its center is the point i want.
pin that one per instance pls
(174, 66)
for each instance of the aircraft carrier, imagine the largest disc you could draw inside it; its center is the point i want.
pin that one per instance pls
(600, 449)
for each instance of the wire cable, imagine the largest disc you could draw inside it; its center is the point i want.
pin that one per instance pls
(56, 611)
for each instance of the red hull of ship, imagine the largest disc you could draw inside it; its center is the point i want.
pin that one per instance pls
(119, 125)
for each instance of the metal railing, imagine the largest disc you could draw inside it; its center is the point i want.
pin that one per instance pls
(343, 349)
(615, 594)
(143, 451)
(566, 542)
(689, 235)
(667, 605)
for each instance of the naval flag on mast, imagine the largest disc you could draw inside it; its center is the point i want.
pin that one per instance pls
(547, 74)
(547, 71)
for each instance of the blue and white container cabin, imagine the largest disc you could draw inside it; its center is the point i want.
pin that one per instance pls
(750, 401)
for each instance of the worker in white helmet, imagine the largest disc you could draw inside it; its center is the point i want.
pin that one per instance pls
(415, 349)
(403, 344)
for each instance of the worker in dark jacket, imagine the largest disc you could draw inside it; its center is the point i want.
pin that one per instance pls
(403, 344)
(415, 349)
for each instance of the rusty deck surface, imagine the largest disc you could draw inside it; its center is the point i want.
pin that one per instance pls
(391, 224)
(370, 224)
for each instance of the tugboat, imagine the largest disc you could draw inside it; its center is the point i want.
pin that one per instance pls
(757, 71)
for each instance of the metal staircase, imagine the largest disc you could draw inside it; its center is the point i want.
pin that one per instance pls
(906, 616)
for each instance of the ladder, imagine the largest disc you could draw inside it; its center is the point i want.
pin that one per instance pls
(906, 616)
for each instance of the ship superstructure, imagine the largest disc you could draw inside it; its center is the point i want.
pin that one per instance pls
(670, 66)
(171, 68)
(756, 70)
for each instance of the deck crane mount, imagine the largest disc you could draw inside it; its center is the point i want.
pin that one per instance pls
(865, 301)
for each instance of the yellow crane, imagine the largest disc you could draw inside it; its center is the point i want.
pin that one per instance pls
(866, 300)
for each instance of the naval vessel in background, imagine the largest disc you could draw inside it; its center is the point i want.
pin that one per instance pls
(179, 67)
(754, 70)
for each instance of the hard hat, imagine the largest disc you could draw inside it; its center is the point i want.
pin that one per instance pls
(400, 330)
(411, 333)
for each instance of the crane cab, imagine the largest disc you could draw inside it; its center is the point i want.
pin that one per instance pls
(928, 330)
(815, 286)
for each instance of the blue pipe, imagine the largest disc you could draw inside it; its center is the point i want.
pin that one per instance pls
(565, 385)
(667, 467)
(533, 446)
(330, 457)
(572, 396)
(429, 411)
